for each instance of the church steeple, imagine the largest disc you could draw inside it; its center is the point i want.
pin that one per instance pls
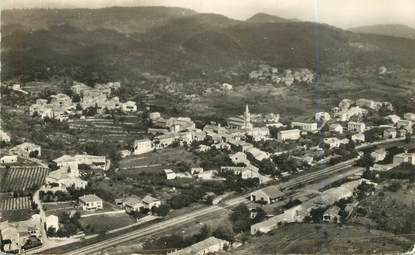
(247, 117)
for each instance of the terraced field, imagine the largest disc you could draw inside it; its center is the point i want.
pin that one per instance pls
(23, 178)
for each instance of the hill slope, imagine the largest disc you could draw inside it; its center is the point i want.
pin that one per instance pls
(395, 30)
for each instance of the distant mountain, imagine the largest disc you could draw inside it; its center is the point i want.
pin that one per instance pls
(267, 18)
(187, 47)
(121, 19)
(396, 30)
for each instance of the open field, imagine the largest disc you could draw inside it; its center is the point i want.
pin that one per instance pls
(23, 178)
(155, 162)
(103, 223)
(324, 238)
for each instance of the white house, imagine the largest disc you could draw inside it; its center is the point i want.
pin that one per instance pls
(26, 150)
(258, 154)
(4, 137)
(335, 127)
(322, 116)
(404, 158)
(239, 157)
(129, 106)
(207, 246)
(170, 175)
(334, 142)
(83, 159)
(8, 159)
(359, 137)
(150, 202)
(90, 202)
(394, 118)
(409, 116)
(142, 146)
(331, 215)
(378, 155)
(267, 195)
(358, 127)
(406, 124)
(389, 133)
(52, 221)
(305, 126)
(293, 134)
(196, 170)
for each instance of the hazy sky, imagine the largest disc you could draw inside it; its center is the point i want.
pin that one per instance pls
(341, 13)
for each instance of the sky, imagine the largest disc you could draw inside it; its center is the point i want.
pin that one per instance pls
(340, 13)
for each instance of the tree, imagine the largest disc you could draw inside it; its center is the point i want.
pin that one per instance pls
(51, 231)
(240, 218)
(260, 215)
(366, 160)
(33, 154)
(162, 210)
(224, 231)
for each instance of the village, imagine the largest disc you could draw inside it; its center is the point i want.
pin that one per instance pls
(177, 164)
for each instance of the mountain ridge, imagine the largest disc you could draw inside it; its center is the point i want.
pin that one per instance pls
(395, 30)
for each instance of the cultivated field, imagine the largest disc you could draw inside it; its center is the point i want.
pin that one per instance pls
(22, 178)
(15, 209)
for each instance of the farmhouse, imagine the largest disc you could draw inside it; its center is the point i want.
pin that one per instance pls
(83, 159)
(11, 233)
(26, 150)
(142, 146)
(207, 246)
(267, 195)
(90, 202)
(293, 134)
(52, 221)
(66, 177)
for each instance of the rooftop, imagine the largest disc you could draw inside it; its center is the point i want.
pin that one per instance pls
(90, 198)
